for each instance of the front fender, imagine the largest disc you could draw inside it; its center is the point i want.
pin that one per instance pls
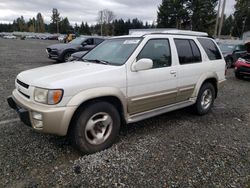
(94, 93)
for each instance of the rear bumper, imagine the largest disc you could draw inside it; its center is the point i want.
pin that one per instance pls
(55, 120)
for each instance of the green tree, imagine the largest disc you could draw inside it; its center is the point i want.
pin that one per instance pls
(20, 24)
(55, 19)
(31, 25)
(228, 26)
(40, 28)
(242, 17)
(65, 26)
(203, 15)
(172, 14)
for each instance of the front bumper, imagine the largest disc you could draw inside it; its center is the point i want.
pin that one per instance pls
(55, 120)
(244, 71)
(23, 113)
(53, 54)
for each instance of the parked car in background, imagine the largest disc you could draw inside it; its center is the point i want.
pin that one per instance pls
(242, 67)
(62, 52)
(9, 37)
(76, 56)
(53, 37)
(62, 38)
(232, 52)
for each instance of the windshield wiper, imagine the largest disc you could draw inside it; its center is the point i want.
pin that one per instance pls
(96, 61)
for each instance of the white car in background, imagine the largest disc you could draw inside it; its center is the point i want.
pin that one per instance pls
(9, 37)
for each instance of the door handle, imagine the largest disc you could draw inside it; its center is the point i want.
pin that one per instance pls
(173, 72)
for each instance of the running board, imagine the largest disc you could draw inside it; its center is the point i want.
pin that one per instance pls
(158, 111)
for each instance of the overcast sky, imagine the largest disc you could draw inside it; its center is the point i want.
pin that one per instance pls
(84, 10)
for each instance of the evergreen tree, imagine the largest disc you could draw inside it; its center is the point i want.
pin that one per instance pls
(172, 14)
(203, 15)
(55, 18)
(228, 26)
(40, 28)
(65, 26)
(242, 17)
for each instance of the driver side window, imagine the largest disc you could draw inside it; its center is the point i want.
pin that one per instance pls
(158, 50)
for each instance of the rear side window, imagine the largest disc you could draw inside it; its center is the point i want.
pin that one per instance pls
(98, 41)
(210, 48)
(188, 51)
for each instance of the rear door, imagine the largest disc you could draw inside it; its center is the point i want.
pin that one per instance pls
(191, 67)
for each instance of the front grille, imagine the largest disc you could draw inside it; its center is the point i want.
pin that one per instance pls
(22, 84)
(244, 69)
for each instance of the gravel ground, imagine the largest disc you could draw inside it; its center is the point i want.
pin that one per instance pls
(177, 149)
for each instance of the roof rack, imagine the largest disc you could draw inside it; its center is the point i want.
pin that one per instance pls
(143, 32)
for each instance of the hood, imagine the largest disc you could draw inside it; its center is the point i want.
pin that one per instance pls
(63, 46)
(74, 76)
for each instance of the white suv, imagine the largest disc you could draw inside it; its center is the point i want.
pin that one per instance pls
(124, 79)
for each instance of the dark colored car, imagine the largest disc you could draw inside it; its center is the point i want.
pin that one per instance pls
(232, 52)
(62, 52)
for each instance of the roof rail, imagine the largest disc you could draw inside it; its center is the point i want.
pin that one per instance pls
(166, 31)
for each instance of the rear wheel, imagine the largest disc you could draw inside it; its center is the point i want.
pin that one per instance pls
(205, 99)
(96, 127)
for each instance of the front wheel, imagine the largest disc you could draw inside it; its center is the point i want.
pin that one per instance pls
(205, 99)
(66, 56)
(96, 127)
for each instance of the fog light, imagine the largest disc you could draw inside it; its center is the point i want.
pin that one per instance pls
(37, 116)
(38, 124)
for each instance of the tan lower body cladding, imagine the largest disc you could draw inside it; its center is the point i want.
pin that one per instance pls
(158, 99)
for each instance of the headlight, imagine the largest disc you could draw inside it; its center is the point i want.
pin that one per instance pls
(46, 96)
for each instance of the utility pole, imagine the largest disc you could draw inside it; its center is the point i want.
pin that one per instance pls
(101, 21)
(217, 20)
(222, 17)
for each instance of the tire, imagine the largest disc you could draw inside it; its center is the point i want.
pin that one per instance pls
(66, 56)
(95, 127)
(205, 99)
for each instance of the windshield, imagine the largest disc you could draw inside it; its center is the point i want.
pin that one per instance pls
(226, 47)
(77, 41)
(113, 51)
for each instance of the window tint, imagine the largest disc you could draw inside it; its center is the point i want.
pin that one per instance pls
(188, 51)
(210, 48)
(196, 52)
(98, 41)
(90, 41)
(240, 48)
(159, 51)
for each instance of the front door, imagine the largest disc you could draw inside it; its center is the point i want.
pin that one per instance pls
(156, 87)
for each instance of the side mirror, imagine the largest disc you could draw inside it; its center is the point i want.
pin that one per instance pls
(142, 64)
